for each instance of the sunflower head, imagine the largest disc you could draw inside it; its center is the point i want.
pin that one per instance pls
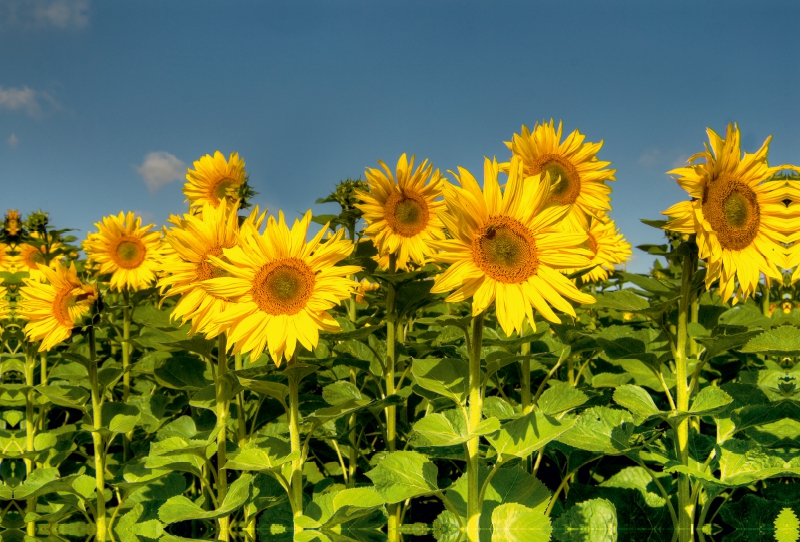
(126, 250)
(12, 226)
(578, 177)
(608, 247)
(740, 221)
(54, 308)
(507, 246)
(401, 212)
(214, 179)
(282, 287)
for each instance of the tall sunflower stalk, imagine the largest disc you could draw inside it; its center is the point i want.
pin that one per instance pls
(506, 248)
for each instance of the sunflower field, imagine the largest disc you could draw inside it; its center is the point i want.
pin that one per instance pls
(451, 357)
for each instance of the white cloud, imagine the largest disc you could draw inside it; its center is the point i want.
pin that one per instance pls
(26, 99)
(30, 14)
(160, 168)
(650, 157)
(12, 141)
(680, 161)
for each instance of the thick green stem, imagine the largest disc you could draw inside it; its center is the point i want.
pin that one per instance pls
(765, 300)
(685, 503)
(126, 366)
(223, 405)
(30, 428)
(475, 411)
(389, 380)
(97, 439)
(296, 481)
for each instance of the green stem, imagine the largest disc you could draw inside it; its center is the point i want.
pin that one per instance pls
(126, 364)
(30, 428)
(223, 405)
(296, 481)
(685, 505)
(241, 425)
(475, 411)
(97, 439)
(389, 380)
(765, 301)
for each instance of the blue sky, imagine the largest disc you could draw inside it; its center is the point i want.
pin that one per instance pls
(313, 92)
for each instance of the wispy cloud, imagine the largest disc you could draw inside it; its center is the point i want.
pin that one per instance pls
(42, 14)
(650, 157)
(657, 158)
(13, 141)
(160, 168)
(33, 102)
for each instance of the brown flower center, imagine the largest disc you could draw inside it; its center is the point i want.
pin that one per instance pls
(283, 286)
(731, 207)
(129, 252)
(566, 182)
(206, 270)
(407, 213)
(67, 297)
(33, 256)
(506, 251)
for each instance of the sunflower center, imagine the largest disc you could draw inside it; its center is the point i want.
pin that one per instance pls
(732, 209)
(222, 187)
(284, 286)
(36, 257)
(506, 251)
(206, 270)
(129, 252)
(67, 298)
(566, 182)
(406, 213)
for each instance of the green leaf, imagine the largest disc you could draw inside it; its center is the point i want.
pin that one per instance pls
(709, 400)
(600, 429)
(404, 475)
(120, 417)
(637, 400)
(594, 520)
(181, 371)
(787, 526)
(721, 341)
(262, 455)
(65, 396)
(447, 377)
(334, 508)
(514, 522)
(621, 300)
(265, 387)
(525, 435)
(180, 508)
(781, 341)
(449, 428)
(560, 397)
(647, 283)
(340, 391)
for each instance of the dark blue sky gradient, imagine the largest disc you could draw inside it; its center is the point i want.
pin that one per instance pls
(313, 92)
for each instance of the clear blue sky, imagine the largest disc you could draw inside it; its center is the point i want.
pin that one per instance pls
(313, 92)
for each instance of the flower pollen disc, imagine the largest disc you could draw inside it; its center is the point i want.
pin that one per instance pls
(407, 213)
(283, 286)
(506, 251)
(732, 209)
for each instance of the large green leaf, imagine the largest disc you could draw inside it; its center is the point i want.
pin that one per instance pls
(527, 434)
(637, 400)
(447, 377)
(781, 341)
(514, 522)
(404, 475)
(560, 397)
(261, 454)
(594, 520)
(600, 429)
(449, 428)
(621, 300)
(337, 507)
(180, 508)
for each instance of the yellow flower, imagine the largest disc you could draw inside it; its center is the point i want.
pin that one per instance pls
(197, 237)
(608, 247)
(401, 214)
(283, 287)
(214, 179)
(126, 250)
(12, 223)
(53, 310)
(363, 287)
(739, 220)
(578, 177)
(507, 246)
(26, 258)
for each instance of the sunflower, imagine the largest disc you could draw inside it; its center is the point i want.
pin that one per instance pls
(214, 179)
(12, 224)
(26, 258)
(197, 237)
(401, 214)
(53, 310)
(283, 287)
(7, 261)
(609, 248)
(578, 177)
(507, 246)
(740, 221)
(126, 250)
